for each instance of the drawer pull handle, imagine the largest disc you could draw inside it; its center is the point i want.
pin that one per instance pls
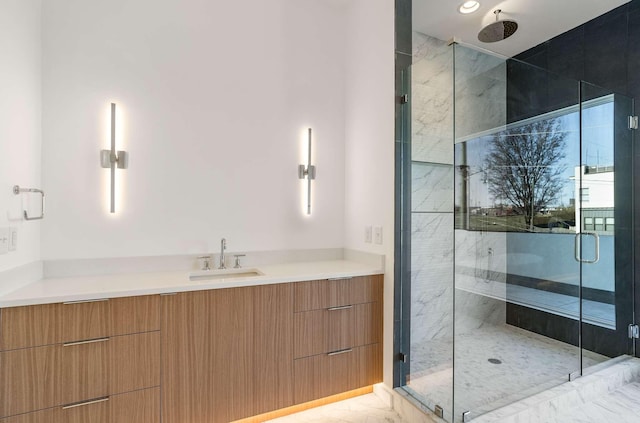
(348, 350)
(340, 279)
(89, 341)
(85, 301)
(82, 404)
(340, 308)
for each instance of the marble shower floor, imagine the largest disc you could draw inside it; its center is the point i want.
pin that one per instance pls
(363, 409)
(529, 363)
(609, 392)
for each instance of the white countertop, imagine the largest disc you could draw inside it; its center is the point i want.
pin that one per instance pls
(78, 288)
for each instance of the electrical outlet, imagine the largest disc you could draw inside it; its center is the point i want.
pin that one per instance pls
(13, 239)
(377, 234)
(5, 235)
(368, 230)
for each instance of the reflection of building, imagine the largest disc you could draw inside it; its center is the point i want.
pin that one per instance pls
(595, 196)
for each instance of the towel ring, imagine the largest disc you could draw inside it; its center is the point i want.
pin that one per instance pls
(17, 191)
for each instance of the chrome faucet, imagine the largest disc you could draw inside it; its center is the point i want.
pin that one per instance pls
(223, 246)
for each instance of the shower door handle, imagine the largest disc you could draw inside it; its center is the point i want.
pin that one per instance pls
(577, 247)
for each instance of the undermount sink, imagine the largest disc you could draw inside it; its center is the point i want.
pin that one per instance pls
(209, 275)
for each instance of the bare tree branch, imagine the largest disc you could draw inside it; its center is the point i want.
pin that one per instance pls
(524, 166)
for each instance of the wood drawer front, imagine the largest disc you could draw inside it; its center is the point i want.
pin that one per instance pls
(31, 326)
(314, 295)
(327, 330)
(134, 362)
(133, 407)
(29, 379)
(41, 377)
(121, 364)
(323, 375)
(83, 372)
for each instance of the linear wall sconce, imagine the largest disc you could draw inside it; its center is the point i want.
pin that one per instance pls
(308, 172)
(109, 159)
(17, 191)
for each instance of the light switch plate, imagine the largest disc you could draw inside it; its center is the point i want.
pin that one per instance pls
(5, 235)
(377, 235)
(368, 234)
(13, 239)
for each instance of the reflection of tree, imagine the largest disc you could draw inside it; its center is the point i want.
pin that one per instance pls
(523, 166)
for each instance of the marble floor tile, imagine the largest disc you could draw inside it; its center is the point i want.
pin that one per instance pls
(363, 409)
(620, 406)
(609, 393)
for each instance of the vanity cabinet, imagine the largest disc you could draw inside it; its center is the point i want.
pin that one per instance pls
(233, 353)
(227, 353)
(69, 358)
(337, 336)
(211, 356)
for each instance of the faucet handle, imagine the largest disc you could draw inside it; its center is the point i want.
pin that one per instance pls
(206, 262)
(237, 256)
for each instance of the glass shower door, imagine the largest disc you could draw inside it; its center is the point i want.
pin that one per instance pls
(518, 273)
(543, 239)
(429, 306)
(604, 243)
(517, 282)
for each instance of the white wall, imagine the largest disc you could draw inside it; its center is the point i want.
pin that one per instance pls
(369, 174)
(20, 122)
(215, 97)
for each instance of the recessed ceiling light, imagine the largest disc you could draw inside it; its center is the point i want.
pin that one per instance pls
(469, 7)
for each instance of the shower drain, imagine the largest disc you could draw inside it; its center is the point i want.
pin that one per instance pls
(494, 361)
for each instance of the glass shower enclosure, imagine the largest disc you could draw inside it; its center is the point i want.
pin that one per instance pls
(521, 230)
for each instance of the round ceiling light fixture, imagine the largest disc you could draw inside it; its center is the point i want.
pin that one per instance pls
(469, 7)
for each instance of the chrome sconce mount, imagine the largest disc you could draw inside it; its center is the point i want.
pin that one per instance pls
(120, 158)
(308, 172)
(112, 159)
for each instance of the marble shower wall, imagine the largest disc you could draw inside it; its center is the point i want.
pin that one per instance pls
(481, 105)
(480, 257)
(481, 290)
(481, 92)
(431, 279)
(431, 100)
(432, 200)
